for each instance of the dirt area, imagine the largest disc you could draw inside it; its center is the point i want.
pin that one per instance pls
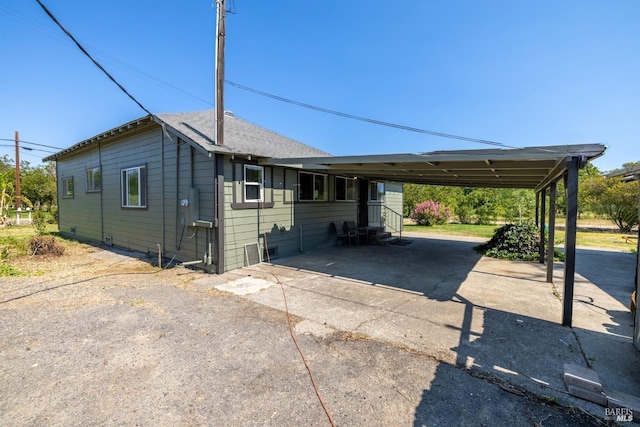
(97, 337)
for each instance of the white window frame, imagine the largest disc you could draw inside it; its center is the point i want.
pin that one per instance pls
(379, 191)
(343, 180)
(142, 187)
(249, 184)
(316, 196)
(67, 191)
(92, 185)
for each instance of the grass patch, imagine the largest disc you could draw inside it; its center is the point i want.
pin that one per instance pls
(593, 239)
(18, 241)
(596, 239)
(473, 230)
(7, 270)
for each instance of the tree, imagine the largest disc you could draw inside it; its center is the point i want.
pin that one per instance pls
(6, 193)
(418, 193)
(479, 205)
(584, 175)
(38, 184)
(614, 198)
(517, 205)
(6, 164)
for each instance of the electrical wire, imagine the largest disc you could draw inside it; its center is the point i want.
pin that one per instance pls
(32, 143)
(262, 93)
(365, 119)
(96, 63)
(41, 27)
(50, 288)
(290, 324)
(27, 148)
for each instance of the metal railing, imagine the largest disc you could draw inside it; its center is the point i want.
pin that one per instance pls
(392, 219)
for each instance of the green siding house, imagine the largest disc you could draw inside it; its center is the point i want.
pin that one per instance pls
(161, 184)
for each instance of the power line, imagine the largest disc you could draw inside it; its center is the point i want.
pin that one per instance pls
(32, 143)
(365, 119)
(28, 148)
(96, 63)
(116, 62)
(269, 95)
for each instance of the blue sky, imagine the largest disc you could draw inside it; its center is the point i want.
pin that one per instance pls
(522, 73)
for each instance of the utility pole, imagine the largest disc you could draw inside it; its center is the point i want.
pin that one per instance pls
(219, 71)
(18, 196)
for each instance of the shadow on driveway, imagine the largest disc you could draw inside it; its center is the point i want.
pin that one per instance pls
(493, 317)
(433, 267)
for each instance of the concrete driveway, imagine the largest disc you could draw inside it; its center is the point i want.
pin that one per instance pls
(437, 296)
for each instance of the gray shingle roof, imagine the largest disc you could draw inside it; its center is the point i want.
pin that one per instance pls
(240, 136)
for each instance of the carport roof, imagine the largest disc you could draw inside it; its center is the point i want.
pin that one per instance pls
(530, 167)
(626, 174)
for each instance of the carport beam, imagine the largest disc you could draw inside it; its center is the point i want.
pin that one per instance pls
(543, 214)
(571, 188)
(552, 231)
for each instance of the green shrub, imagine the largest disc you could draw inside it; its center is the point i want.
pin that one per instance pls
(514, 242)
(464, 214)
(39, 222)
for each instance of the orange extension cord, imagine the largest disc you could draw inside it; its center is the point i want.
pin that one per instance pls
(290, 323)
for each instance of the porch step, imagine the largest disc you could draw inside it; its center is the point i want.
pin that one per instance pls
(381, 237)
(387, 240)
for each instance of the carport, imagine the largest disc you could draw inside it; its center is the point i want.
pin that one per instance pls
(537, 168)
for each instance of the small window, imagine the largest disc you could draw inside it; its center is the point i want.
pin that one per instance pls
(67, 188)
(134, 187)
(93, 180)
(313, 186)
(376, 191)
(253, 183)
(345, 189)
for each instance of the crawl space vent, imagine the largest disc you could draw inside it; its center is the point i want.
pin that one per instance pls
(252, 254)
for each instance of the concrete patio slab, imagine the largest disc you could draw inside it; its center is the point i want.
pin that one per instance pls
(439, 297)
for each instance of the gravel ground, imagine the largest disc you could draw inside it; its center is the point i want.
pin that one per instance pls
(99, 338)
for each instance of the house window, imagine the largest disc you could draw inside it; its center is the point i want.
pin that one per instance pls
(67, 188)
(345, 189)
(253, 183)
(134, 187)
(313, 186)
(376, 191)
(93, 180)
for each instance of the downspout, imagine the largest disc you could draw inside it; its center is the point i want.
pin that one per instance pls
(219, 212)
(162, 242)
(177, 205)
(58, 194)
(101, 193)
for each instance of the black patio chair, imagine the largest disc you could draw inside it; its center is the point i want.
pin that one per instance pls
(351, 228)
(343, 233)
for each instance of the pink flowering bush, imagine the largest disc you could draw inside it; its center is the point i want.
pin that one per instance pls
(430, 213)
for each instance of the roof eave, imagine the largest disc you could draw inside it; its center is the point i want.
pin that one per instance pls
(105, 136)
